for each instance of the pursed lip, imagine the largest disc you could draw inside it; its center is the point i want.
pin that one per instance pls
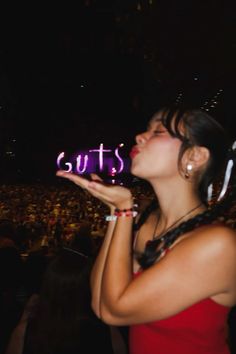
(134, 151)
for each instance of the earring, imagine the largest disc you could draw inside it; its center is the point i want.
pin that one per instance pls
(189, 168)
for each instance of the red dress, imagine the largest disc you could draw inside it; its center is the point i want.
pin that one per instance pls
(199, 329)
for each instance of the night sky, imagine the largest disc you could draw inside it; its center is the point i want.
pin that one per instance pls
(73, 77)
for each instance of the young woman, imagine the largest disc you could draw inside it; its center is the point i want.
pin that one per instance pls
(175, 281)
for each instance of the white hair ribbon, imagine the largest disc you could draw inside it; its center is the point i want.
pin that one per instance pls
(209, 192)
(227, 175)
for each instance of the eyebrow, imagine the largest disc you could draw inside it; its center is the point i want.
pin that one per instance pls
(154, 120)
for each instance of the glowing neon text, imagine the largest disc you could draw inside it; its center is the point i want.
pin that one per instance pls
(86, 162)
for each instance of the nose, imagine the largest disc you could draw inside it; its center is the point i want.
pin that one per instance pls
(141, 138)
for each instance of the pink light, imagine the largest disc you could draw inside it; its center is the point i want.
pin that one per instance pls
(113, 171)
(100, 151)
(78, 162)
(60, 157)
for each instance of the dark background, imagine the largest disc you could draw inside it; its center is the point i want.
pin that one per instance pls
(73, 76)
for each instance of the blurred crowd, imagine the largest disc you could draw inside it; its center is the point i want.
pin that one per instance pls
(50, 216)
(36, 222)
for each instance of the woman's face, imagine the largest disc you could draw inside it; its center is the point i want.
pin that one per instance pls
(156, 152)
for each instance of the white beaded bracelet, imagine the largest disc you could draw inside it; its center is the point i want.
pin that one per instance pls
(110, 217)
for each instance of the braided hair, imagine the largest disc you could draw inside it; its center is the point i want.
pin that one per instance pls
(199, 130)
(145, 214)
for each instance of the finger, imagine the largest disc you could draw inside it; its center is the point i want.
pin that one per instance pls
(100, 193)
(100, 189)
(98, 186)
(82, 182)
(95, 177)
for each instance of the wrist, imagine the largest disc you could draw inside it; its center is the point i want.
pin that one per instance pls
(112, 210)
(129, 204)
(129, 212)
(126, 212)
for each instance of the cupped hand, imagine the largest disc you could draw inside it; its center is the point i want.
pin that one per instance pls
(112, 195)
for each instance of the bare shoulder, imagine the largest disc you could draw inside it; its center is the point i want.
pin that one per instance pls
(213, 240)
(217, 234)
(210, 252)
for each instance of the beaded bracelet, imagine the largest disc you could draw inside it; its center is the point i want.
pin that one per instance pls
(110, 217)
(122, 212)
(126, 212)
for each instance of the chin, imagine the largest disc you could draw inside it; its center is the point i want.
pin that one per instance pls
(136, 172)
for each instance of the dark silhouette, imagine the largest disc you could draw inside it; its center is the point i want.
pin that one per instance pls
(60, 319)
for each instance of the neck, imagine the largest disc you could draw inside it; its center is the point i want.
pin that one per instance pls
(175, 202)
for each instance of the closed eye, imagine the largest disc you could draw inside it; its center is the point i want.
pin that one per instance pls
(157, 132)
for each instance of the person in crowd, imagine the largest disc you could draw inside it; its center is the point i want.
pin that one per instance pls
(59, 320)
(7, 233)
(83, 241)
(11, 280)
(35, 266)
(173, 280)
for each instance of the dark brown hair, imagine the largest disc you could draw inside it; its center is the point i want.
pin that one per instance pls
(200, 129)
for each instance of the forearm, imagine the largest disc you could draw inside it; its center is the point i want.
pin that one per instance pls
(98, 268)
(114, 197)
(117, 273)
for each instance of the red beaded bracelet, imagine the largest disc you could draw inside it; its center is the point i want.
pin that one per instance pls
(126, 212)
(123, 212)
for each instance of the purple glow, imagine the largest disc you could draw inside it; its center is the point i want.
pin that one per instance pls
(101, 151)
(87, 162)
(78, 162)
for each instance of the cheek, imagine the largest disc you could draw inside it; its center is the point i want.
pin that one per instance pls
(158, 159)
(166, 151)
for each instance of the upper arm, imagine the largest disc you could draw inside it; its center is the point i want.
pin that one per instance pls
(200, 266)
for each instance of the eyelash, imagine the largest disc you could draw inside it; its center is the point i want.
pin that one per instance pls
(156, 132)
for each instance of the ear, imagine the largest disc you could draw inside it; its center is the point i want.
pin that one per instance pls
(197, 156)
